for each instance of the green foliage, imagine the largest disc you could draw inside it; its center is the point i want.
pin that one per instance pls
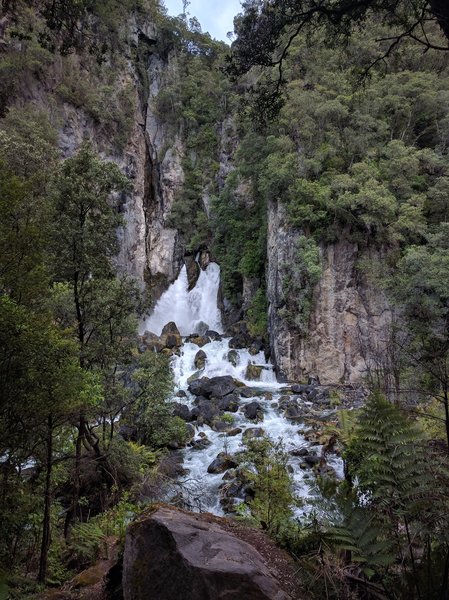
(361, 535)
(303, 275)
(265, 465)
(25, 59)
(228, 418)
(116, 520)
(27, 155)
(102, 95)
(194, 102)
(366, 159)
(86, 540)
(256, 314)
(239, 221)
(150, 412)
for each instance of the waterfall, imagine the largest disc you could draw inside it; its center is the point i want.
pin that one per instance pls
(188, 309)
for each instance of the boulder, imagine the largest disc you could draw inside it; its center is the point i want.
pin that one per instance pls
(233, 357)
(190, 431)
(172, 555)
(240, 341)
(222, 463)
(253, 411)
(256, 346)
(152, 342)
(181, 410)
(196, 385)
(200, 443)
(170, 329)
(194, 376)
(286, 401)
(236, 328)
(170, 336)
(171, 465)
(234, 431)
(229, 403)
(293, 412)
(253, 372)
(213, 335)
(312, 459)
(193, 271)
(253, 432)
(222, 426)
(301, 388)
(198, 340)
(208, 410)
(246, 392)
(215, 387)
(200, 328)
(299, 452)
(200, 359)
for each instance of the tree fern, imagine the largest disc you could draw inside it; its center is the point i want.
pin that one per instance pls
(387, 459)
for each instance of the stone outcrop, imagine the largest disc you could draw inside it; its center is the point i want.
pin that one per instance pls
(350, 319)
(171, 554)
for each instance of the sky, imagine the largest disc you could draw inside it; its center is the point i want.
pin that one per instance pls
(215, 16)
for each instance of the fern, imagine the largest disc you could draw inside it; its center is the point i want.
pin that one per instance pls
(86, 541)
(363, 536)
(387, 458)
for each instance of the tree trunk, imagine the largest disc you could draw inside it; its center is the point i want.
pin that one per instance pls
(45, 545)
(446, 415)
(444, 583)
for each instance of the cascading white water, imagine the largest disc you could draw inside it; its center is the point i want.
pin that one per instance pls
(188, 309)
(267, 392)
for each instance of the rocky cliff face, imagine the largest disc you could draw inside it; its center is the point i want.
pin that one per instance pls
(150, 155)
(349, 322)
(165, 152)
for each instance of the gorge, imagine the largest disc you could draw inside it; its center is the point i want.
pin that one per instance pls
(224, 342)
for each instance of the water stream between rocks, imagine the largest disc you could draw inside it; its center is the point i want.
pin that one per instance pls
(251, 406)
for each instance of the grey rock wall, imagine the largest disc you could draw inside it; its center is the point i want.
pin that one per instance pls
(350, 319)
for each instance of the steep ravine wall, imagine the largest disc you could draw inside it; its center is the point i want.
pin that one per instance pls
(165, 152)
(350, 319)
(151, 155)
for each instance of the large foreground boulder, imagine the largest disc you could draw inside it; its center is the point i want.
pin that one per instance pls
(173, 555)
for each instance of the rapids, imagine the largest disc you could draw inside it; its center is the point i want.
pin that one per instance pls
(187, 309)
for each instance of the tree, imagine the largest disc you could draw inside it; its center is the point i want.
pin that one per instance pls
(421, 289)
(89, 298)
(27, 155)
(266, 470)
(42, 387)
(403, 485)
(266, 30)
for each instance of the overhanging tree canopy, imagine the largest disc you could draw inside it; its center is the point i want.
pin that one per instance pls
(266, 29)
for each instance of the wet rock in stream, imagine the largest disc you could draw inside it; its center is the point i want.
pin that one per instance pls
(200, 359)
(253, 411)
(222, 463)
(215, 387)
